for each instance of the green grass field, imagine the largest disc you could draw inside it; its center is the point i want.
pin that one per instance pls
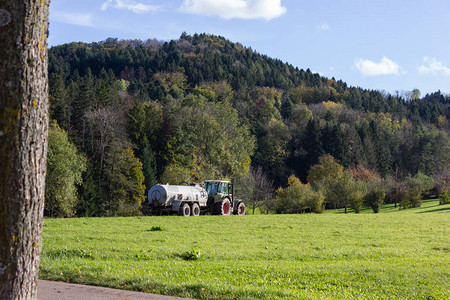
(392, 255)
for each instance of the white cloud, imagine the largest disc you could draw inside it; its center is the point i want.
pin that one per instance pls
(434, 67)
(134, 6)
(384, 67)
(73, 18)
(325, 26)
(240, 9)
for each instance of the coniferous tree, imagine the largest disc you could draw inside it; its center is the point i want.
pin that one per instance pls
(312, 142)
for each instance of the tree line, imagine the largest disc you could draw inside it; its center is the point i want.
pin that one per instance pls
(330, 185)
(134, 113)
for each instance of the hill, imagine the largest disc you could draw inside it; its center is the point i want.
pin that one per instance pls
(204, 107)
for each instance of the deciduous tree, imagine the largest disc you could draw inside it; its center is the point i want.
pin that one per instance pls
(344, 191)
(23, 143)
(64, 171)
(298, 197)
(255, 188)
(327, 168)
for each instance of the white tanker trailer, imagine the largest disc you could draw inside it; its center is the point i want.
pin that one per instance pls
(217, 198)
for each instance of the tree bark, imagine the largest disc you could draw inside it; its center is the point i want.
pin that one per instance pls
(23, 143)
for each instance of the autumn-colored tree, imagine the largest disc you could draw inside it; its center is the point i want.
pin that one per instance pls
(375, 185)
(327, 168)
(365, 175)
(298, 197)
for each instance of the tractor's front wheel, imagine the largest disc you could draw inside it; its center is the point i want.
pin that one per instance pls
(223, 207)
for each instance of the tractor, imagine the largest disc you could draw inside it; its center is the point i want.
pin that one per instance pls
(214, 196)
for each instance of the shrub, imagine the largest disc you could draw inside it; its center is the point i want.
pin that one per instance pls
(444, 197)
(193, 254)
(416, 186)
(442, 185)
(396, 190)
(357, 195)
(315, 202)
(412, 198)
(156, 228)
(376, 193)
(375, 198)
(344, 191)
(421, 182)
(298, 197)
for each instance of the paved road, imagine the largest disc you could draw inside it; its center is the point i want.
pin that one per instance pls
(54, 290)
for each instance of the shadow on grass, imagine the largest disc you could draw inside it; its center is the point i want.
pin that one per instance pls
(442, 209)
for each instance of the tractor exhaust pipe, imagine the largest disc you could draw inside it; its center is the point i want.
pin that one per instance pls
(232, 191)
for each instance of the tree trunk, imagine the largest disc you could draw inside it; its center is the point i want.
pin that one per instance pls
(23, 143)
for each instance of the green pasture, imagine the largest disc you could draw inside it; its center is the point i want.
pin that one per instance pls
(397, 255)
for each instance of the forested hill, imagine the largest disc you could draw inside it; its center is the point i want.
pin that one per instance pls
(204, 107)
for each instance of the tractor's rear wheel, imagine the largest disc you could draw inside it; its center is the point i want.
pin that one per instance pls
(223, 208)
(185, 210)
(195, 210)
(240, 209)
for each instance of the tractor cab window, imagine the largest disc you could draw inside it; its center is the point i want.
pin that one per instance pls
(211, 188)
(224, 186)
(216, 187)
(221, 187)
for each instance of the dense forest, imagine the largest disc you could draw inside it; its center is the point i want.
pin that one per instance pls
(128, 114)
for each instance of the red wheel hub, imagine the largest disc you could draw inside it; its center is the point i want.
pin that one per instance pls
(226, 208)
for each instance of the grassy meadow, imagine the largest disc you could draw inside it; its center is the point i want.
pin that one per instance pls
(392, 255)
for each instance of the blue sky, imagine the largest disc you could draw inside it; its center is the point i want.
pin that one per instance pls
(392, 45)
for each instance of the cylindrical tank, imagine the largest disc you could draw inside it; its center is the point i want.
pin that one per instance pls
(166, 195)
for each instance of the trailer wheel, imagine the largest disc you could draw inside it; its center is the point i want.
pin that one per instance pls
(223, 207)
(195, 210)
(185, 210)
(241, 209)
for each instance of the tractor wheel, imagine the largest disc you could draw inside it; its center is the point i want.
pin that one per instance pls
(185, 210)
(223, 207)
(240, 209)
(195, 210)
